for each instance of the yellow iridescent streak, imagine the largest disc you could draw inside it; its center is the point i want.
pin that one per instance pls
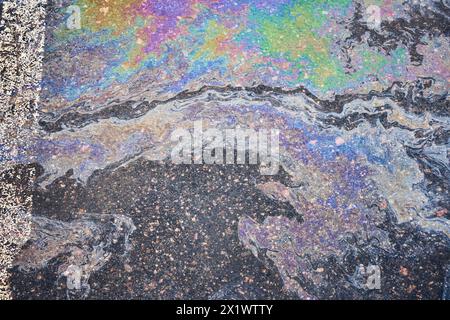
(115, 15)
(217, 38)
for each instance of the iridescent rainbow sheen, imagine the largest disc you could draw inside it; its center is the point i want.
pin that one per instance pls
(175, 43)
